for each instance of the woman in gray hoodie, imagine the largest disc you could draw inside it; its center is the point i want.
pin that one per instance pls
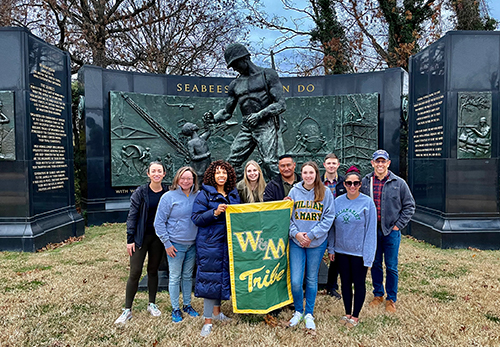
(312, 216)
(352, 243)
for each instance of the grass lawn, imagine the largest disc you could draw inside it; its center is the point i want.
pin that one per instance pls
(71, 295)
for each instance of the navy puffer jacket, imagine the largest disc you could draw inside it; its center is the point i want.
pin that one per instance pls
(212, 260)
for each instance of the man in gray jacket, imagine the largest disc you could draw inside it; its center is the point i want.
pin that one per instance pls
(395, 206)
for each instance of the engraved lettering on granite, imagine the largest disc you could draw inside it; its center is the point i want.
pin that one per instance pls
(428, 135)
(49, 153)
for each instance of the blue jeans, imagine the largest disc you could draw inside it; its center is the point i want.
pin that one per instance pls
(181, 268)
(387, 249)
(305, 260)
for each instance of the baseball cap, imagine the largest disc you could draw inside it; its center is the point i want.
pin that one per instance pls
(380, 154)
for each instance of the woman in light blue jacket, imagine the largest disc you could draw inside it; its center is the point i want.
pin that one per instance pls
(175, 229)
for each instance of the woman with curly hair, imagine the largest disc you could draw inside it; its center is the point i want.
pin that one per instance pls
(212, 260)
(251, 187)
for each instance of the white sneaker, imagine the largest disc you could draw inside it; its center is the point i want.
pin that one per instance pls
(296, 319)
(221, 317)
(124, 317)
(206, 330)
(153, 309)
(309, 319)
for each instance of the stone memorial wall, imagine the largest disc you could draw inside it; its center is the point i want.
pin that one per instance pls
(36, 161)
(453, 141)
(147, 127)
(133, 118)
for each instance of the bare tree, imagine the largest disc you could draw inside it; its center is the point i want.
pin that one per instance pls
(380, 33)
(162, 36)
(5, 13)
(189, 41)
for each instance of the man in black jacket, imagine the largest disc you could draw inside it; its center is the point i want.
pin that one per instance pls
(335, 182)
(279, 187)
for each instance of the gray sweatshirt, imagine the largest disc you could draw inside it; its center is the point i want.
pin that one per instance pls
(314, 218)
(355, 228)
(173, 218)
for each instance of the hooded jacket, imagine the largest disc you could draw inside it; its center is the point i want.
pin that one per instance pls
(314, 218)
(212, 259)
(172, 221)
(138, 214)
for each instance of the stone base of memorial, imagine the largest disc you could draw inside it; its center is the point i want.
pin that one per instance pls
(37, 203)
(454, 143)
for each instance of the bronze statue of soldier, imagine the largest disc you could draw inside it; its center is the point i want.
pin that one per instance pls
(259, 94)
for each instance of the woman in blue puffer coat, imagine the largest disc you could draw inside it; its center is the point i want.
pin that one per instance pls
(212, 260)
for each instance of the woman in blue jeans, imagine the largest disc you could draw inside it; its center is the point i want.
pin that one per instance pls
(175, 229)
(312, 216)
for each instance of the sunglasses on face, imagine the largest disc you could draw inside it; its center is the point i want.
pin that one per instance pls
(352, 183)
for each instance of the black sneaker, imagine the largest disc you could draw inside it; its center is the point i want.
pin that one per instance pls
(334, 294)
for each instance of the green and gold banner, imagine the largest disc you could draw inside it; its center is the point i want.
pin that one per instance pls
(258, 256)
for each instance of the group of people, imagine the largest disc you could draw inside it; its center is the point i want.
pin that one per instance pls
(357, 220)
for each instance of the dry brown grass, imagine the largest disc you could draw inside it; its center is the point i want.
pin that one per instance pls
(71, 295)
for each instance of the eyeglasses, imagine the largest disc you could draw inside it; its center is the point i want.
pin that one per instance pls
(352, 183)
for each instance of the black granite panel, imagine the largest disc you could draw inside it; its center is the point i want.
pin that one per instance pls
(474, 61)
(48, 76)
(95, 178)
(37, 189)
(196, 86)
(457, 199)
(93, 86)
(306, 86)
(12, 67)
(429, 183)
(471, 186)
(150, 84)
(118, 80)
(14, 189)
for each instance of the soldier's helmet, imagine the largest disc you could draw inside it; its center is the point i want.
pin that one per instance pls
(235, 51)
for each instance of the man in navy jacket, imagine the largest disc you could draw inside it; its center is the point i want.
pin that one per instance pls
(280, 186)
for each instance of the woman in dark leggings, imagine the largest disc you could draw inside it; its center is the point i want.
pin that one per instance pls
(142, 239)
(352, 244)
